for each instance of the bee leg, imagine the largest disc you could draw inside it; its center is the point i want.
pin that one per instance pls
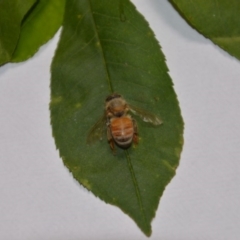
(135, 133)
(110, 140)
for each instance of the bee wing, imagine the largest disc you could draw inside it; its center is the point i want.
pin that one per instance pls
(146, 116)
(97, 130)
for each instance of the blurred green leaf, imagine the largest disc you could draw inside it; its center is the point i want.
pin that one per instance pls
(107, 46)
(217, 20)
(11, 15)
(39, 27)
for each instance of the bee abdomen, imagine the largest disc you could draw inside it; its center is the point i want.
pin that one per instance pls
(122, 131)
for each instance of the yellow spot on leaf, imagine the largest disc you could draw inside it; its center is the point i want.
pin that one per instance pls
(78, 105)
(168, 165)
(56, 100)
(76, 168)
(86, 184)
(177, 151)
(149, 34)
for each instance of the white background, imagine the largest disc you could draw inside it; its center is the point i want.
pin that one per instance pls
(39, 199)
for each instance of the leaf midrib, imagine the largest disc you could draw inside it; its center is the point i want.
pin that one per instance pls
(100, 45)
(135, 183)
(130, 167)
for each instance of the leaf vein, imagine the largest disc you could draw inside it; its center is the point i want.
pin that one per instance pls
(135, 83)
(105, 15)
(81, 49)
(132, 66)
(77, 27)
(125, 43)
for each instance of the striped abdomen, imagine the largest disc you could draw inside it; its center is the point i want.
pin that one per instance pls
(122, 131)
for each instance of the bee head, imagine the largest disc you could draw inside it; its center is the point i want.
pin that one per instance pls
(113, 96)
(116, 106)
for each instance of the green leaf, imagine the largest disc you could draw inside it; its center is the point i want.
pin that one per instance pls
(217, 20)
(107, 46)
(11, 15)
(39, 27)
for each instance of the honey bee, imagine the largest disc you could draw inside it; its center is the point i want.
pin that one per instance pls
(121, 128)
